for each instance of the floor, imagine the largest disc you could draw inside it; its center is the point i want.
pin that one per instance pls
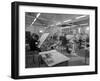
(74, 60)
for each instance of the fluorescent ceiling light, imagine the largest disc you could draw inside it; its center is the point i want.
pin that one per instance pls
(84, 24)
(38, 15)
(87, 28)
(81, 16)
(67, 20)
(52, 25)
(36, 18)
(65, 27)
(58, 23)
(79, 30)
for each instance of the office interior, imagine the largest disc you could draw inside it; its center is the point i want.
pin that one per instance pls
(61, 39)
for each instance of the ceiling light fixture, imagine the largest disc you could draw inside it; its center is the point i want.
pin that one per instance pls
(38, 15)
(87, 28)
(68, 20)
(36, 18)
(58, 23)
(52, 25)
(84, 24)
(81, 16)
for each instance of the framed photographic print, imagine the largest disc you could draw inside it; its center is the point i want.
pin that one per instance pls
(50, 40)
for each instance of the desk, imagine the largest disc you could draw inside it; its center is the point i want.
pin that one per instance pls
(53, 57)
(86, 55)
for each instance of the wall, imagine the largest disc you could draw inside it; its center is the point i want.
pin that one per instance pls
(35, 29)
(5, 41)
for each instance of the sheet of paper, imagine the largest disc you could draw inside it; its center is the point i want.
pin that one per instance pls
(43, 38)
(55, 57)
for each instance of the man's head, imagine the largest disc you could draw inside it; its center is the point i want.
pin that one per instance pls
(35, 36)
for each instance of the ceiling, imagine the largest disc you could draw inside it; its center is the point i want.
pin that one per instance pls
(50, 19)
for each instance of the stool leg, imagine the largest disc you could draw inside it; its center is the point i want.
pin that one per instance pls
(39, 61)
(66, 63)
(33, 59)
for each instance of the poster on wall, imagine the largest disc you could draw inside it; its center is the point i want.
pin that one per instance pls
(50, 40)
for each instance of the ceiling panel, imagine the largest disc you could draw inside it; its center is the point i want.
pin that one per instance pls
(47, 19)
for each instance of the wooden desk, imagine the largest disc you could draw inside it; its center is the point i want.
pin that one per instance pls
(53, 57)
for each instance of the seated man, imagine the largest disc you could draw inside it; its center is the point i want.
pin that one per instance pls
(34, 47)
(34, 43)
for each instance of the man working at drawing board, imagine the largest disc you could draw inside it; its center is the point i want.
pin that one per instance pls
(34, 43)
(34, 47)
